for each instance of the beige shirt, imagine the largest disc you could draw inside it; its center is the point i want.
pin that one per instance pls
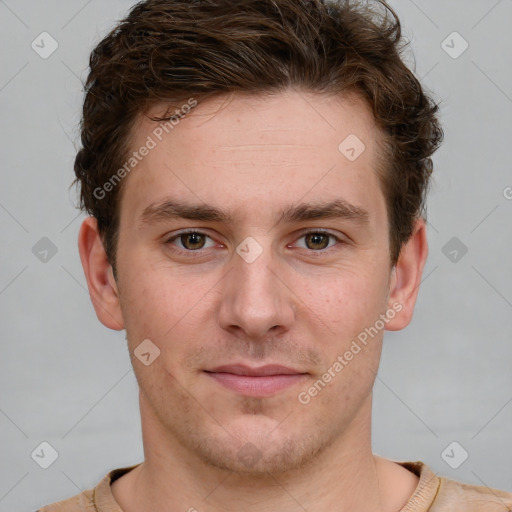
(433, 493)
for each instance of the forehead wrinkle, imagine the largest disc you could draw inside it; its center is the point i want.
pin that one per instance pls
(259, 146)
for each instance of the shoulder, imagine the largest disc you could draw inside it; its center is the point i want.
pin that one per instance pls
(439, 494)
(454, 496)
(82, 502)
(99, 498)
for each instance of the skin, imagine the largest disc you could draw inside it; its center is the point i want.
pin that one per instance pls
(299, 304)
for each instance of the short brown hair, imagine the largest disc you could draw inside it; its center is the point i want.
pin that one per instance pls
(171, 50)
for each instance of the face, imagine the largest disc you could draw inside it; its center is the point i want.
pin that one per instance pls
(253, 253)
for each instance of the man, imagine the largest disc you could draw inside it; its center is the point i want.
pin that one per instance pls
(256, 173)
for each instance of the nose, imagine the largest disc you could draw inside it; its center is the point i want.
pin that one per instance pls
(256, 297)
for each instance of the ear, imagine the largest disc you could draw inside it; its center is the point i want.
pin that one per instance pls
(406, 277)
(100, 278)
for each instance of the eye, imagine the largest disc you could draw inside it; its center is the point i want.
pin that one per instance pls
(194, 241)
(319, 240)
(191, 241)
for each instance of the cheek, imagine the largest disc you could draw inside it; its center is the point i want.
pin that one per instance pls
(344, 300)
(174, 311)
(155, 296)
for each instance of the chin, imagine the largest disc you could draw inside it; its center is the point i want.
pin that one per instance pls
(262, 452)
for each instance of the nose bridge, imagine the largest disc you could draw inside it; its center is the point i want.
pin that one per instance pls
(255, 299)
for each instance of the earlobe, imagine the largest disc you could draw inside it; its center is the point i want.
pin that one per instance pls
(102, 286)
(406, 277)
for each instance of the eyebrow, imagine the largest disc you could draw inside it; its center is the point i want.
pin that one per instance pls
(172, 208)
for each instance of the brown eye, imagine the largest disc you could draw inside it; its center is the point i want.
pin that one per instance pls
(192, 241)
(317, 241)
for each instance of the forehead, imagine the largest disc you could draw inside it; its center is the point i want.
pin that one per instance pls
(269, 150)
(305, 121)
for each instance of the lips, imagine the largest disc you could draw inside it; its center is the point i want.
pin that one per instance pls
(262, 371)
(263, 381)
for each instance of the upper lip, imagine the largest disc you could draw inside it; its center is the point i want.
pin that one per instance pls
(261, 371)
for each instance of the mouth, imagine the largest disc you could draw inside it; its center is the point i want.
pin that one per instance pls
(259, 382)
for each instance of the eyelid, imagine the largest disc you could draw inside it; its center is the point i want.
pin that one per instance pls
(321, 231)
(297, 236)
(175, 235)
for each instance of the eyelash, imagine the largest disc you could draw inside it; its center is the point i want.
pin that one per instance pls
(197, 252)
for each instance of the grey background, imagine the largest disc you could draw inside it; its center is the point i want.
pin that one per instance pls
(67, 380)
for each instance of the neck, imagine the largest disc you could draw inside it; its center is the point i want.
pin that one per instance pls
(343, 477)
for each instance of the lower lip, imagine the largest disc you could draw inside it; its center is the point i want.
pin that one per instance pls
(256, 386)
